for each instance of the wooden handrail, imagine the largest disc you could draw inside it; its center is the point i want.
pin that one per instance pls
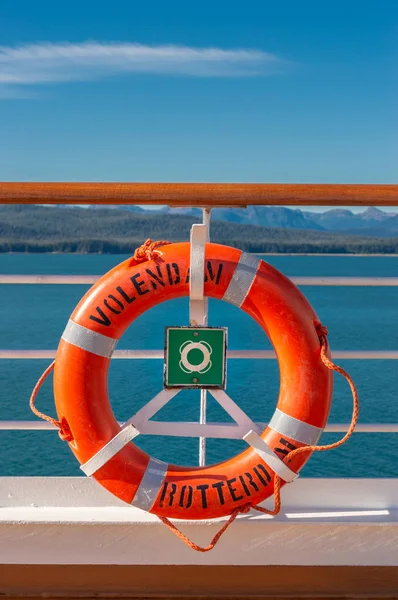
(200, 194)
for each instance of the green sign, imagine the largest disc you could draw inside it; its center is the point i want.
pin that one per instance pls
(195, 357)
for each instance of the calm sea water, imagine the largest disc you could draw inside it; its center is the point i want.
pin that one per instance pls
(358, 318)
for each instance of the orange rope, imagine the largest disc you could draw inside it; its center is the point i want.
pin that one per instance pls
(64, 431)
(241, 509)
(148, 250)
(322, 333)
(145, 252)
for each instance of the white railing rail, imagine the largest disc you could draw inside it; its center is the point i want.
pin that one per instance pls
(301, 280)
(176, 428)
(231, 354)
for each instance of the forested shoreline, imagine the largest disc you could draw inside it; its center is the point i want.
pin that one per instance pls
(78, 230)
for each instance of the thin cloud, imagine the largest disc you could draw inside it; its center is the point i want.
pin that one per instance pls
(38, 64)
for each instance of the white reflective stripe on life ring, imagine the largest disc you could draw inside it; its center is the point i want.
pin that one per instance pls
(150, 485)
(100, 458)
(269, 457)
(242, 279)
(84, 338)
(293, 428)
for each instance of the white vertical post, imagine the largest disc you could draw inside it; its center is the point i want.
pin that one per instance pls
(198, 304)
(197, 301)
(203, 393)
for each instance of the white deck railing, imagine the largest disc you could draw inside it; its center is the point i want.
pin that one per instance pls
(231, 354)
(90, 279)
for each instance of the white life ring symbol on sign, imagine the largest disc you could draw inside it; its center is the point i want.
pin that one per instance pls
(188, 367)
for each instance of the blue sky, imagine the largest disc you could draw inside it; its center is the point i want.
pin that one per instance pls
(217, 90)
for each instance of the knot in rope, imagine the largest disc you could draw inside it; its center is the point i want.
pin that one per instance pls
(64, 430)
(321, 330)
(246, 508)
(148, 250)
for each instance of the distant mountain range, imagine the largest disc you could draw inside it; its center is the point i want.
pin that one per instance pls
(370, 222)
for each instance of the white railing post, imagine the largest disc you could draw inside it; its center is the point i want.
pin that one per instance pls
(198, 304)
(203, 393)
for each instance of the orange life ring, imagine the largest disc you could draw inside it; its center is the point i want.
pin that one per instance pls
(122, 295)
